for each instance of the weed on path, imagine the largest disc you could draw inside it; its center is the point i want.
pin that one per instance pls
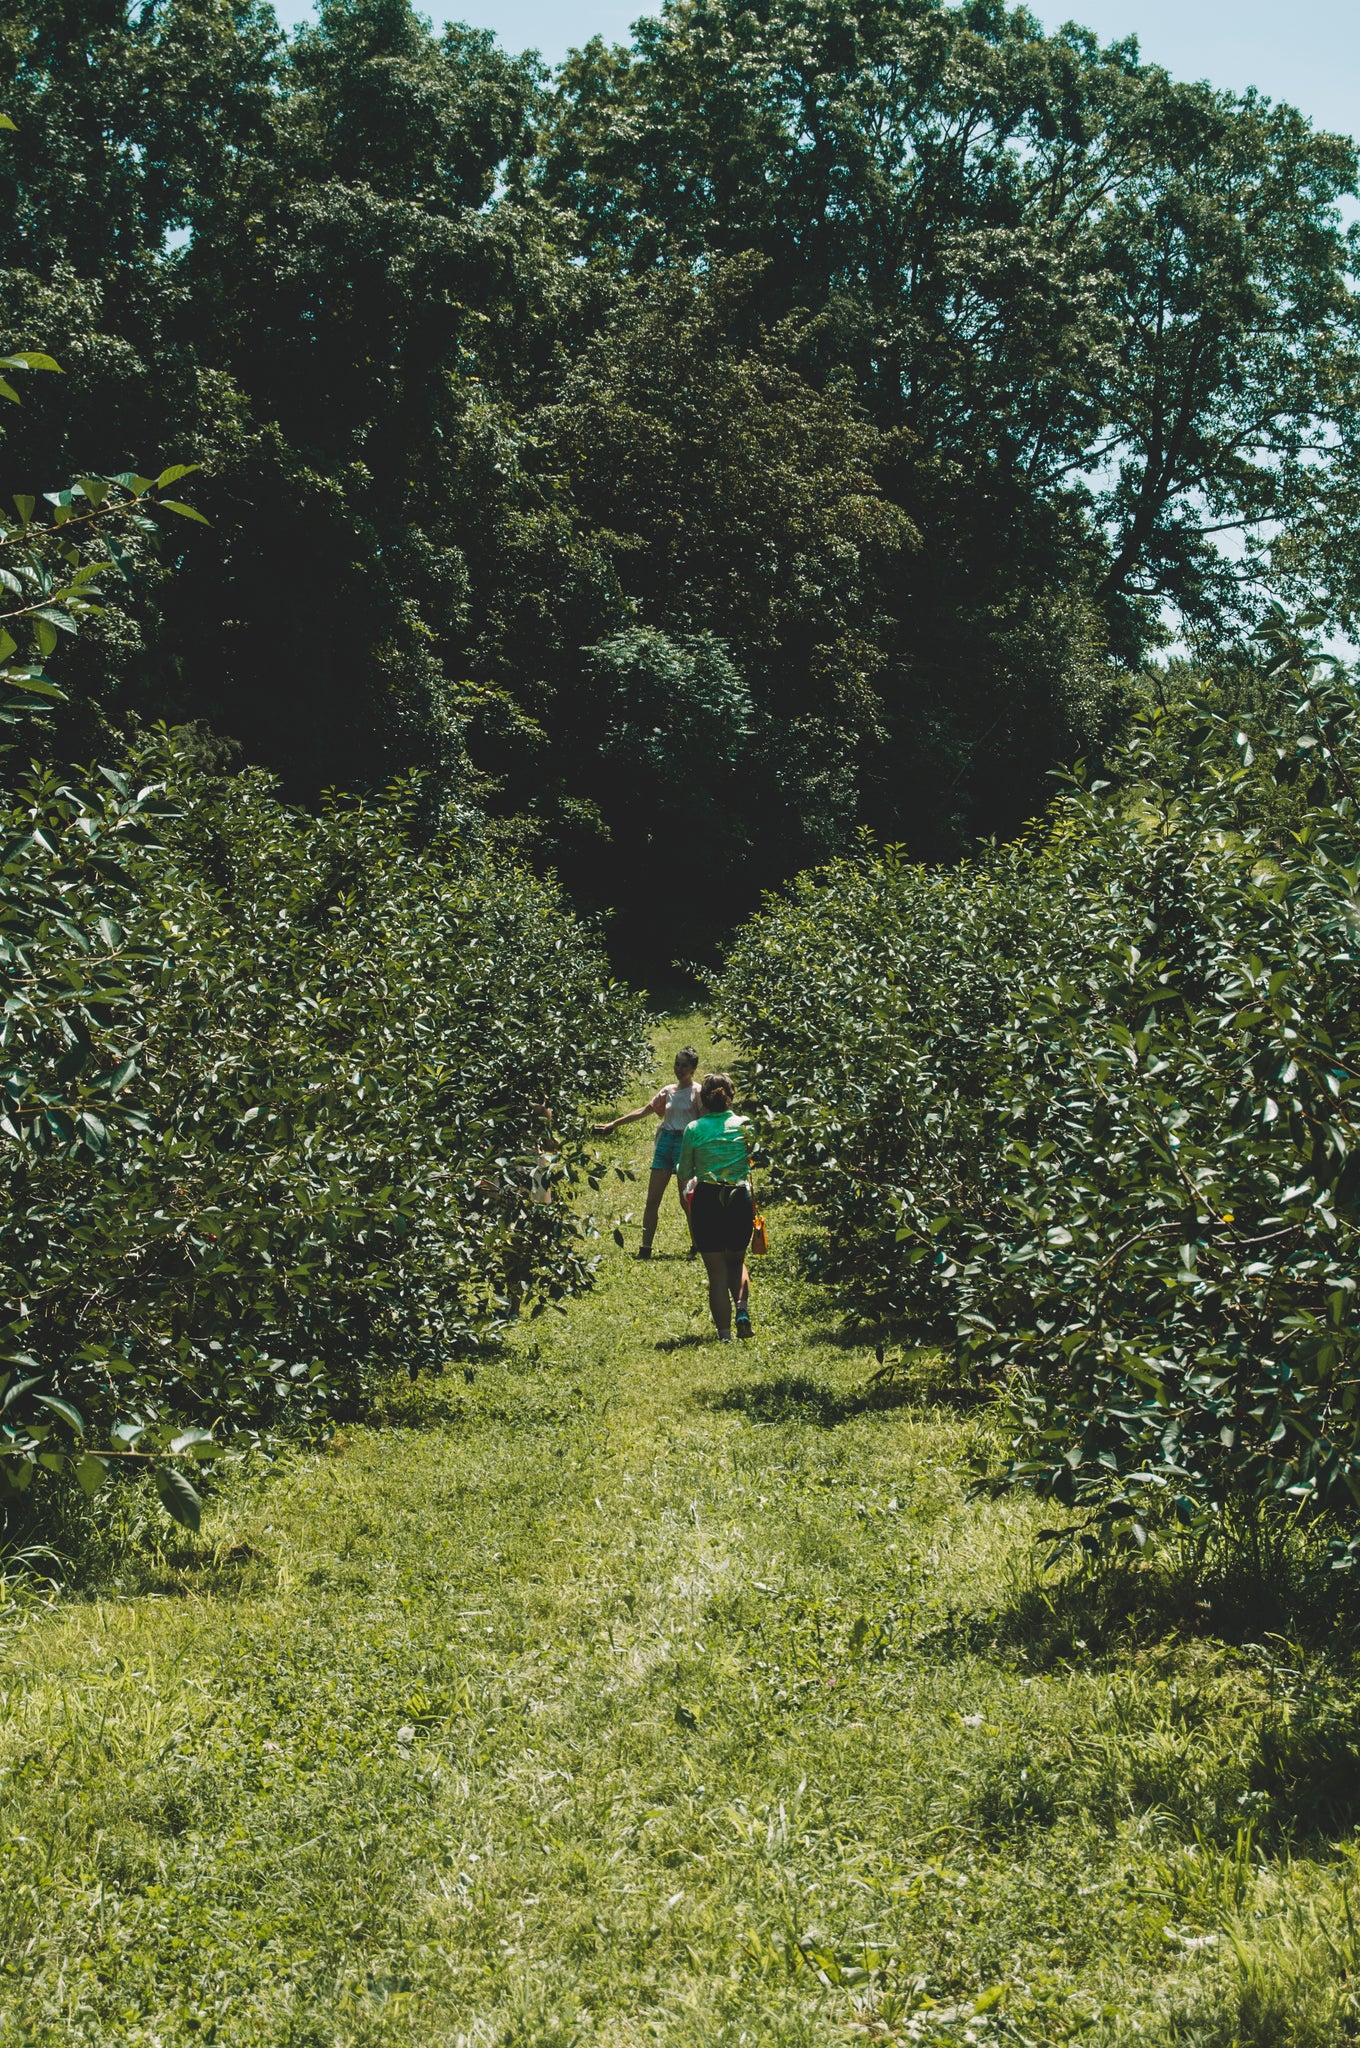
(640, 1691)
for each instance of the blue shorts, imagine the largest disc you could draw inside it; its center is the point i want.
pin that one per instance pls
(666, 1152)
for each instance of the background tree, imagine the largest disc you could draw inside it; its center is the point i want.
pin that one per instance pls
(1105, 317)
(717, 492)
(925, 369)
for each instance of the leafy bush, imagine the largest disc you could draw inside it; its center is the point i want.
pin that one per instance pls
(1085, 1109)
(275, 1089)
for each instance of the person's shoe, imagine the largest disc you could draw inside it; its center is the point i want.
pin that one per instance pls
(644, 1251)
(744, 1323)
(724, 1336)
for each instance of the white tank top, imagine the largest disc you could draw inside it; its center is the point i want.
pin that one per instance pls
(682, 1105)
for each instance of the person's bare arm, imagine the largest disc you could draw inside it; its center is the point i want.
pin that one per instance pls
(631, 1116)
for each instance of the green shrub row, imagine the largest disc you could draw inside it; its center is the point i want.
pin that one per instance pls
(1085, 1111)
(287, 1102)
(274, 1109)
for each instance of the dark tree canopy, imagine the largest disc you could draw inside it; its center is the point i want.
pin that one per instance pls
(810, 417)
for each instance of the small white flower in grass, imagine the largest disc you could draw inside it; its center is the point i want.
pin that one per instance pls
(406, 1734)
(971, 1720)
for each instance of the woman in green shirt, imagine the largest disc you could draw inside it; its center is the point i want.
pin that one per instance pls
(715, 1155)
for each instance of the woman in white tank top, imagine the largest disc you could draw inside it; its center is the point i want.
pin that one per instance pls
(677, 1105)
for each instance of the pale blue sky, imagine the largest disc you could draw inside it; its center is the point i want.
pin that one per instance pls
(1304, 51)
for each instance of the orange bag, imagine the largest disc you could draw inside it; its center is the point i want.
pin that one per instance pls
(760, 1237)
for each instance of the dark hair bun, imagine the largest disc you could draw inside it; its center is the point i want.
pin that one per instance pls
(717, 1091)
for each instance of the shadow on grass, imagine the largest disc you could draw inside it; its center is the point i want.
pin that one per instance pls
(924, 1372)
(688, 1343)
(1237, 1701)
(1121, 1608)
(132, 1558)
(795, 1397)
(854, 1336)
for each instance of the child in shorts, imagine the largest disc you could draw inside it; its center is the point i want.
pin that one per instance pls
(677, 1105)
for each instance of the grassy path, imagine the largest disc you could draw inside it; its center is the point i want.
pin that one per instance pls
(636, 1691)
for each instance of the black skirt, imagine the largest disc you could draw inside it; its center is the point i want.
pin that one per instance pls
(721, 1216)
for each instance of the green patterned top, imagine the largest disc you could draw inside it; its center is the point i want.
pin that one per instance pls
(715, 1148)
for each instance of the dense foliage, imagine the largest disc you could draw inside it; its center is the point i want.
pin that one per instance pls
(276, 1094)
(865, 378)
(287, 1102)
(1085, 1110)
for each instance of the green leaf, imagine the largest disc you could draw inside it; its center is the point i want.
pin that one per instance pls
(175, 472)
(190, 1439)
(177, 1497)
(25, 506)
(33, 684)
(29, 359)
(12, 126)
(64, 1410)
(91, 1472)
(184, 511)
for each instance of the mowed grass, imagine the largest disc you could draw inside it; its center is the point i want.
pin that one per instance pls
(636, 1690)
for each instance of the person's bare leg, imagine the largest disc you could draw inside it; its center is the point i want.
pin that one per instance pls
(719, 1300)
(684, 1211)
(739, 1286)
(656, 1188)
